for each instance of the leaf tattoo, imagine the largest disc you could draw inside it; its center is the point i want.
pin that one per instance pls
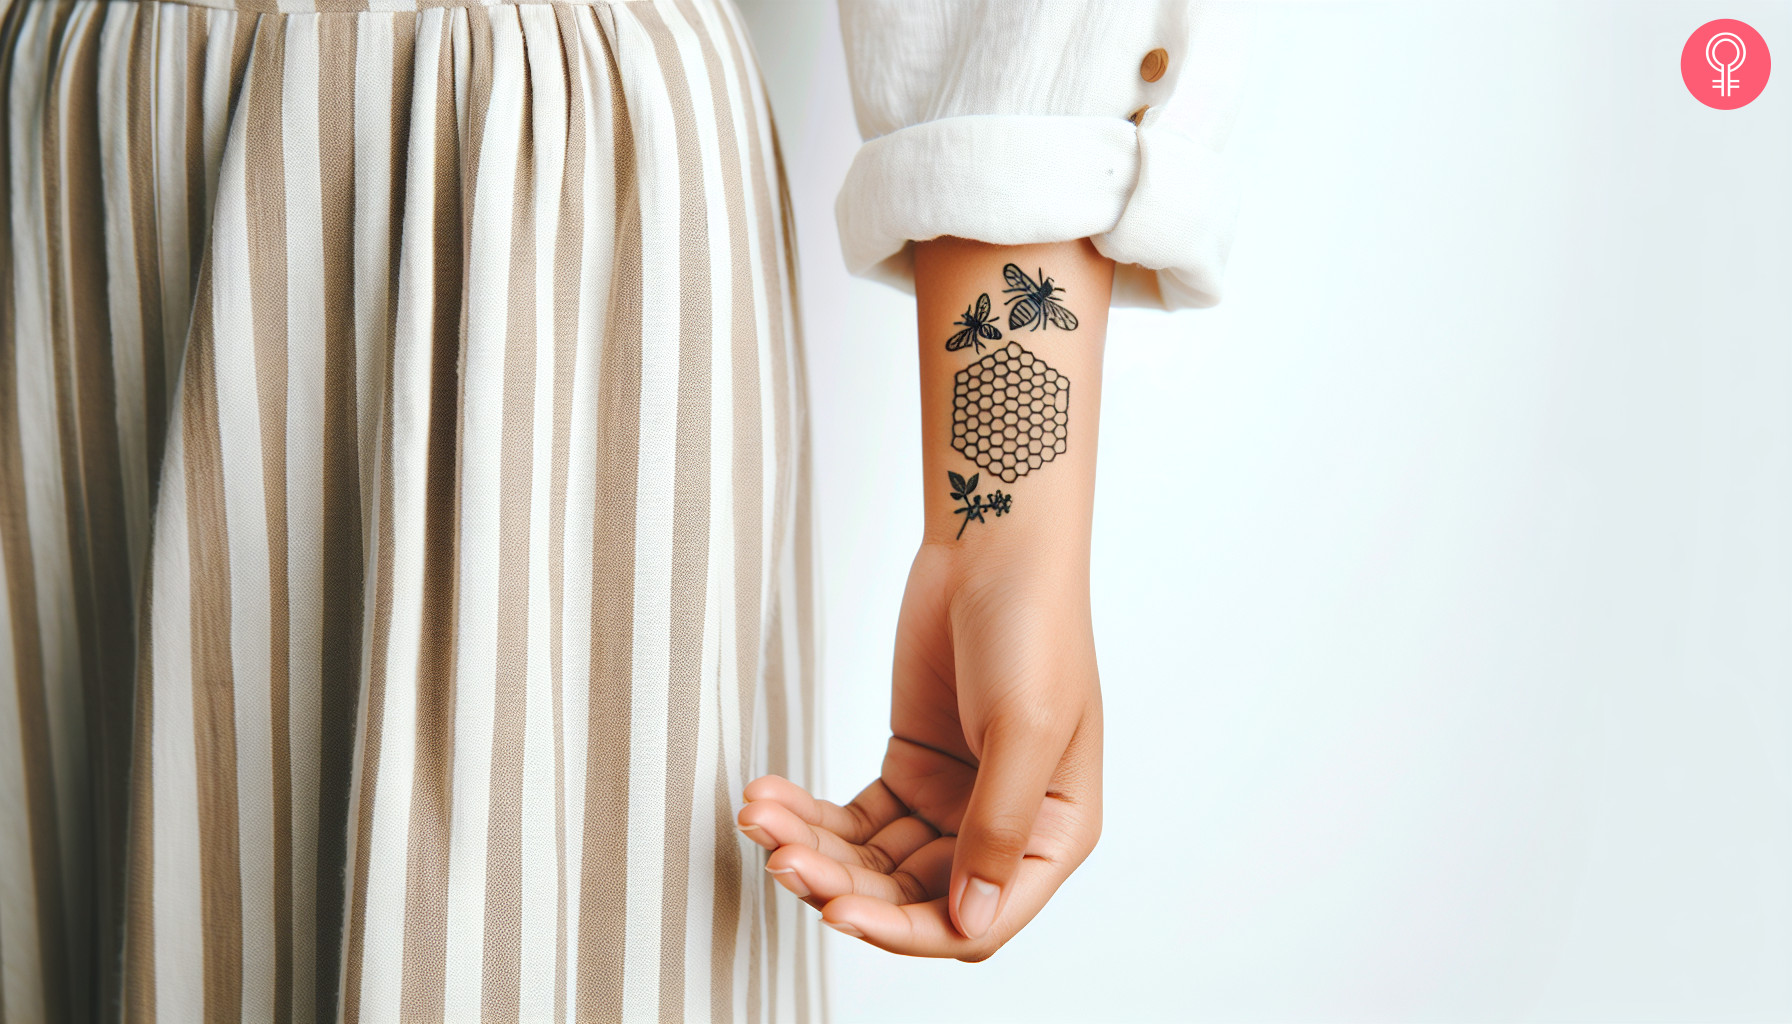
(974, 506)
(976, 327)
(1032, 302)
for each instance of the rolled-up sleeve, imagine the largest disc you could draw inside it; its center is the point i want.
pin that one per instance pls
(1018, 122)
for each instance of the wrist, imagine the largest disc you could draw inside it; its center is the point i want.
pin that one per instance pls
(1054, 561)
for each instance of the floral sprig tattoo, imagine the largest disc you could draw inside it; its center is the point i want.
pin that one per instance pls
(974, 505)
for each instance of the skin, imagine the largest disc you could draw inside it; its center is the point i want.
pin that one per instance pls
(993, 767)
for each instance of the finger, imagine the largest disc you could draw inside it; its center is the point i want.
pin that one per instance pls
(757, 834)
(887, 850)
(778, 825)
(874, 807)
(926, 929)
(774, 825)
(787, 878)
(818, 878)
(1012, 778)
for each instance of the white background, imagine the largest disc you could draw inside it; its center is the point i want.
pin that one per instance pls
(1443, 573)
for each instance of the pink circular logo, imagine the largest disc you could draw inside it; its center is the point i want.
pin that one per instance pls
(1725, 64)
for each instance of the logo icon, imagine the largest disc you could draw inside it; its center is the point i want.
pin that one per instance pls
(1725, 64)
(1726, 79)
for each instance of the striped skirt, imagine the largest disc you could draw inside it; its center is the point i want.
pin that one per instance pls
(404, 549)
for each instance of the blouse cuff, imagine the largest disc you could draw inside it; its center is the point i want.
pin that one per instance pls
(1151, 199)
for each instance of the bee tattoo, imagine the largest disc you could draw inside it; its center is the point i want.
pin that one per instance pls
(976, 327)
(1032, 302)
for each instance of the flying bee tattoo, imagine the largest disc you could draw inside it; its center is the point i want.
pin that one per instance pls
(976, 327)
(1033, 302)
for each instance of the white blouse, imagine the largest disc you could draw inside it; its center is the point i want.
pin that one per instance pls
(1013, 121)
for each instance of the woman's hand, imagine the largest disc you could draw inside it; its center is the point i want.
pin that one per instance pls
(990, 793)
(992, 774)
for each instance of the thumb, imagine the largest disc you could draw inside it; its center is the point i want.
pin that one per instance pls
(1012, 778)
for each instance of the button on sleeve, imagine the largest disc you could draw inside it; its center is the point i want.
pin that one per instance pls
(1155, 63)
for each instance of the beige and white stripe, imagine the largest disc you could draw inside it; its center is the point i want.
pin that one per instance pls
(404, 525)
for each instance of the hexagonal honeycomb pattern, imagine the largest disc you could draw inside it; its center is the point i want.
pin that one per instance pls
(1010, 412)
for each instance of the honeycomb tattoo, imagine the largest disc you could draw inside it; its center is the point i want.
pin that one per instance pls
(1010, 412)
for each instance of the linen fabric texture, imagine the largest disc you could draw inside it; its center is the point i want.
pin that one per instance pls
(404, 545)
(1007, 121)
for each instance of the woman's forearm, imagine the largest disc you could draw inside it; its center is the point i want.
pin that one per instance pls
(1011, 400)
(989, 795)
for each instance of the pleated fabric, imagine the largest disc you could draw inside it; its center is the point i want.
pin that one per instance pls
(404, 519)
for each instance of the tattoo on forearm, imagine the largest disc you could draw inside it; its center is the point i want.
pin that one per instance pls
(976, 327)
(1033, 303)
(1010, 411)
(974, 506)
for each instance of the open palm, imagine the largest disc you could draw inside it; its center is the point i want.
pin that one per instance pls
(993, 770)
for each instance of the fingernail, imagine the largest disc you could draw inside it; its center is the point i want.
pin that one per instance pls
(789, 879)
(977, 907)
(844, 928)
(757, 834)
